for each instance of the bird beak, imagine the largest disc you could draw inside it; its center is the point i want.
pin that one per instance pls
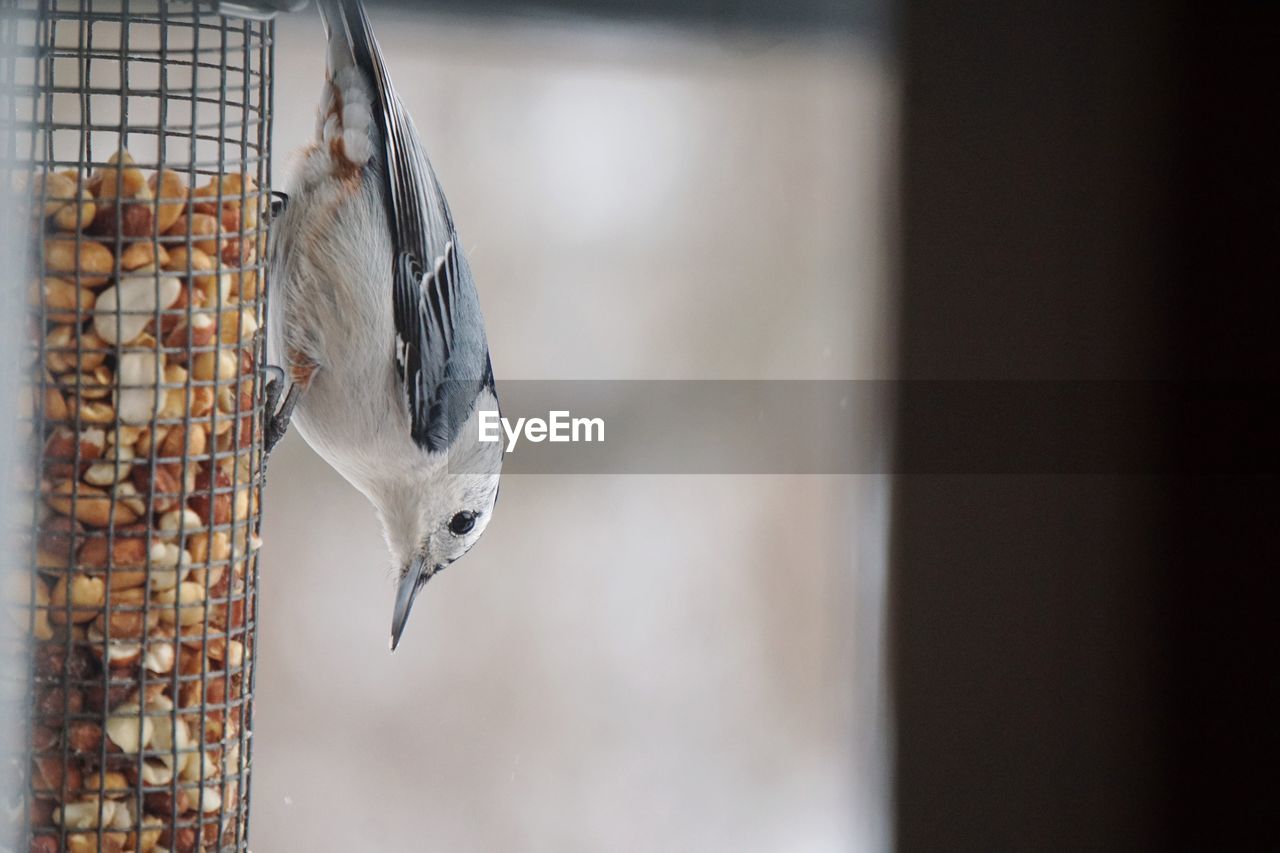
(417, 574)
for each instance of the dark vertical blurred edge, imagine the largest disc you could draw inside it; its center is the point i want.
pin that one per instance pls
(1089, 663)
(1224, 746)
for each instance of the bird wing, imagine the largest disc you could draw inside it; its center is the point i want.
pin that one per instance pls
(423, 312)
(441, 353)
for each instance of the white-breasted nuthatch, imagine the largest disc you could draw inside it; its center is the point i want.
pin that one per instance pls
(376, 319)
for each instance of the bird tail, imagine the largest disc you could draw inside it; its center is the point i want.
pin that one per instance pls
(411, 183)
(359, 99)
(351, 41)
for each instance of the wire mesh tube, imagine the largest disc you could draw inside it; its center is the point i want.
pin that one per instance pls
(140, 140)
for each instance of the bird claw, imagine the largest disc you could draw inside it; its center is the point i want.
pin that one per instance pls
(278, 413)
(279, 201)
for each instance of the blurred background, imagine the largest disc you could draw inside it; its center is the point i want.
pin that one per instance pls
(1078, 659)
(626, 663)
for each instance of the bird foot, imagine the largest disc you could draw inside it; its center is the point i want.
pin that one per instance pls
(278, 413)
(279, 201)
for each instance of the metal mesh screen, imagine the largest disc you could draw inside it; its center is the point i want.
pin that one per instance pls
(139, 137)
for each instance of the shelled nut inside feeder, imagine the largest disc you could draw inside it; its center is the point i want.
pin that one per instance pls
(149, 146)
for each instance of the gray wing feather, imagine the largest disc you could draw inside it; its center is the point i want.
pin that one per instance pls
(441, 352)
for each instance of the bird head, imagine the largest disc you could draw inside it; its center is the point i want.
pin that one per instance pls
(432, 516)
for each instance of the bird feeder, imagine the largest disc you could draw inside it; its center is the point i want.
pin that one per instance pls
(140, 139)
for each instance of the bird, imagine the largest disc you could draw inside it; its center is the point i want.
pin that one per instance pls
(376, 320)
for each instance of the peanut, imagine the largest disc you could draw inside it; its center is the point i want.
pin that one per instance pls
(125, 436)
(111, 783)
(165, 803)
(64, 302)
(49, 773)
(149, 437)
(202, 401)
(91, 262)
(163, 483)
(199, 334)
(201, 229)
(76, 600)
(232, 185)
(237, 253)
(189, 440)
(64, 447)
(239, 325)
(85, 814)
(125, 181)
(168, 186)
(127, 620)
(178, 840)
(138, 399)
(215, 366)
(58, 191)
(56, 544)
(62, 354)
(92, 506)
(156, 772)
(248, 285)
(93, 384)
(208, 578)
(215, 290)
(212, 507)
(183, 605)
(127, 494)
(230, 653)
(159, 657)
(68, 202)
(130, 221)
(87, 842)
(90, 411)
(184, 520)
(112, 470)
(143, 254)
(242, 504)
(149, 837)
(194, 261)
(124, 731)
(53, 404)
(230, 220)
(73, 217)
(127, 550)
(53, 701)
(84, 736)
(124, 311)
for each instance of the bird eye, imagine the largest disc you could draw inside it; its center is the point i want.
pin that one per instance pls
(461, 524)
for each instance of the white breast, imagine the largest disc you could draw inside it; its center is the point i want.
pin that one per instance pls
(331, 304)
